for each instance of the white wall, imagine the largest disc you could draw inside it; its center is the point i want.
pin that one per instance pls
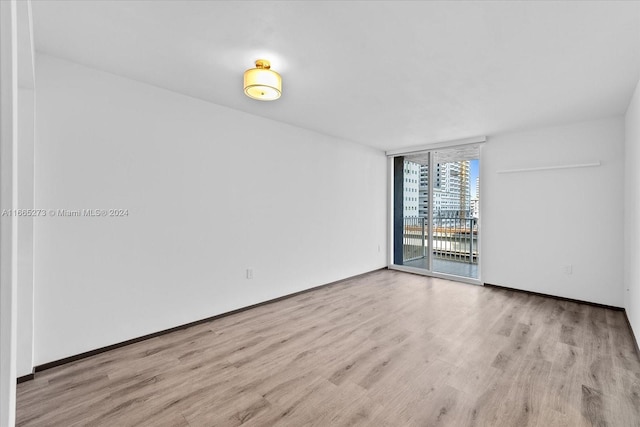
(8, 225)
(210, 192)
(25, 196)
(24, 358)
(536, 222)
(632, 212)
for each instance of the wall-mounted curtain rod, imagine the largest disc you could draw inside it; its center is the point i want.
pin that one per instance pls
(545, 168)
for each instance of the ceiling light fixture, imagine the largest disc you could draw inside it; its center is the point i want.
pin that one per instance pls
(262, 83)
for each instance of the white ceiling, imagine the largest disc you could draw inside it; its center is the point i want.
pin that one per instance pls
(385, 74)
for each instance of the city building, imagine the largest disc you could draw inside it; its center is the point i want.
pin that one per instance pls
(451, 197)
(411, 189)
(475, 201)
(475, 207)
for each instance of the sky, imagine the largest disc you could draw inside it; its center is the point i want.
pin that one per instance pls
(474, 166)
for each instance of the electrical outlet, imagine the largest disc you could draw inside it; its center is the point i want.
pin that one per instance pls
(249, 273)
(567, 269)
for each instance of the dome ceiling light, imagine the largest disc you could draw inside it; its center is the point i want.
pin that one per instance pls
(262, 83)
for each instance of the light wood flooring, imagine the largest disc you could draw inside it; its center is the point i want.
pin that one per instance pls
(384, 349)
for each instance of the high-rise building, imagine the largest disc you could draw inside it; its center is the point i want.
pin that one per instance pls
(475, 201)
(451, 191)
(411, 189)
(423, 191)
(475, 208)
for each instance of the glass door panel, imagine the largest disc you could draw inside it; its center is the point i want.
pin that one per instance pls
(415, 241)
(455, 212)
(436, 210)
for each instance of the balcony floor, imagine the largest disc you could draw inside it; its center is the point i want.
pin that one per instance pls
(456, 268)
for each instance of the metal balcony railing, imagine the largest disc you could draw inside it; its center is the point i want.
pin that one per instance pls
(454, 239)
(414, 239)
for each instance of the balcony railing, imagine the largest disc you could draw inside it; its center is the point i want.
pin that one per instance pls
(454, 239)
(414, 239)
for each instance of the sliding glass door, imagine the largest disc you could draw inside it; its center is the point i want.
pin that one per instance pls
(436, 208)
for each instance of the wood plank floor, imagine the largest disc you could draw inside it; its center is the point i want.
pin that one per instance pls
(384, 349)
